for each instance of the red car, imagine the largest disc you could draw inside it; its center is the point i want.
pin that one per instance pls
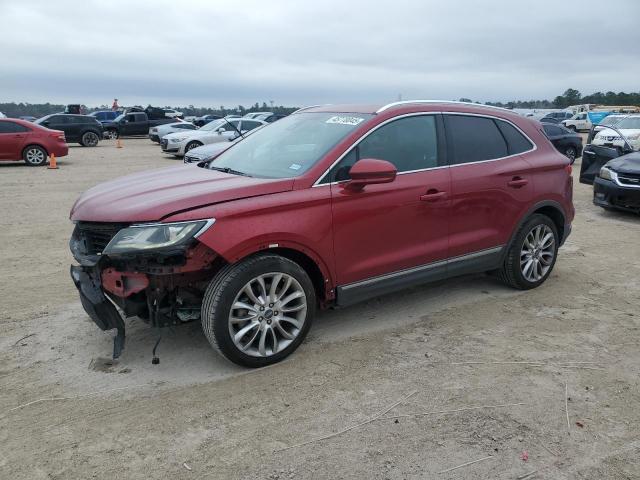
(32, 143)
(326, 207)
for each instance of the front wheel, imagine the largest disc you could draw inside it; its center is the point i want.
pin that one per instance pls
(571, 153)
(532, 254)
(258, 311)
(191, 146)
(110, 134)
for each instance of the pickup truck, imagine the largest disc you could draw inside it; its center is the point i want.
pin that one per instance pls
(133, 123)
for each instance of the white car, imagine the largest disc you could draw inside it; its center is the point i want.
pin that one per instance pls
(610, 120)
(156, 133)
(629, 127)
(257, 114)
(2, 115)
(580, 121)
(207, 152)
(213, 132)
(170, 113)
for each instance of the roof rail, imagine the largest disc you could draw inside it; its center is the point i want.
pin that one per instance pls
(310, 106)
(406, 102)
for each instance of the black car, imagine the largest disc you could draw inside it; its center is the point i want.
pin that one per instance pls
(83, 129)
(566, 142)
(202, 121)
(556, 117)
(617, 185)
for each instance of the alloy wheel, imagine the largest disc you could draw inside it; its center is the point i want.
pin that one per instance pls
(537, 253)
(267, 314)
(570, 153)
(90, 139)
(35, 156)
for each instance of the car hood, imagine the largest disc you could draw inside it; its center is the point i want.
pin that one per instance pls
(184, 133)
(629, 163)
(154, 195)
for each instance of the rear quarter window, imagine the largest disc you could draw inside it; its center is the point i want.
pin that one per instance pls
(516, 141)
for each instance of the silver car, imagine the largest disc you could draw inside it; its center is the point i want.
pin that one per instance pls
(156, 133)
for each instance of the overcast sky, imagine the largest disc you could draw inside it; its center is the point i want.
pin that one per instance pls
(211, 53)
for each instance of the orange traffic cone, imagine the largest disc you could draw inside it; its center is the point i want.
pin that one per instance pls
(53, 165)
(118, 143)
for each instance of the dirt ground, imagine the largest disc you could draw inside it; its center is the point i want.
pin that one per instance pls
(484, 367)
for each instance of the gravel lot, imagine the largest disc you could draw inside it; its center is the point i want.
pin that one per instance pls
(463, 343)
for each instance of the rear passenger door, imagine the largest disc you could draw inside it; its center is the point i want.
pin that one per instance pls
(490, 183)
(13, 138)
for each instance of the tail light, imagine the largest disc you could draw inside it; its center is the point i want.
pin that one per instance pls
(569, 169)
(58, 135)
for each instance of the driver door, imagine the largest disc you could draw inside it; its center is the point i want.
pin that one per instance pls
(398, 230)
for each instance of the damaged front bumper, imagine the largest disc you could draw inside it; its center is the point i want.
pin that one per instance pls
(163, 287)
(97, 305)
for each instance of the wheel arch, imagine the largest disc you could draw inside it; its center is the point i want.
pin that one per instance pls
(548, 208)
(34, 144)
(308, 260)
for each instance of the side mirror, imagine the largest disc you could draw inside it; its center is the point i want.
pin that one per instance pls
(370, 171)
(220, 130)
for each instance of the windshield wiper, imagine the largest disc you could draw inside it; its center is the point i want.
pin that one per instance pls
(229, 170)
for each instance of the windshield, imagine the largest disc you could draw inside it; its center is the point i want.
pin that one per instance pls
(610, 120)
(213, 125)
(289, 147)
(629, 123)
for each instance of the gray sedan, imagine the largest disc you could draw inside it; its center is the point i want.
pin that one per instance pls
(156, 133)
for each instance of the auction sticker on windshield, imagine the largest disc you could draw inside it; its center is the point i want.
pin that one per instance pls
(345, 120)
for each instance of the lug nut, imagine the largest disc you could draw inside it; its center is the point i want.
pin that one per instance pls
(270, 305)
(261, 309)
(260, 318)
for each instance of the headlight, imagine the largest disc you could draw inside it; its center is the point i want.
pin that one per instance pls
(139, 238)
(607, 173)
(178, 139)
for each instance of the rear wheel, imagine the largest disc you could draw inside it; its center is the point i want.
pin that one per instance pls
(34, 156)
(89, 139)
(532, 254)
(258, 311)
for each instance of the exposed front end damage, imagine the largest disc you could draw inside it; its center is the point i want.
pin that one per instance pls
(161, 286)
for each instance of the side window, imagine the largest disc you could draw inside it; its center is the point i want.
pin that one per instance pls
(474, 139)
(516, 142)
(7, 127)
(228, 126)
(130, 117)
(140, 117)
(409, 143)
(249, 125)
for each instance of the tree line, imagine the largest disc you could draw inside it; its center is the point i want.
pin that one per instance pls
(15, 110)
(570, 97)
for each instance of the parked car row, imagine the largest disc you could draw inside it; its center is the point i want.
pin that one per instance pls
(180, 142)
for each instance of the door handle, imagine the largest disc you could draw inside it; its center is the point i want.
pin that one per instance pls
(517, 182)
(433, 195)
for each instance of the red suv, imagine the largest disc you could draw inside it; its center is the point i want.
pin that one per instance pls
(20, 139)
(326, 207)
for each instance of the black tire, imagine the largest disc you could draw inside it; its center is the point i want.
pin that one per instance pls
(34, 155)
(111, 134)
(222, 291)
(571, 153)
(89, 139)
(511, 272)
(191, 146)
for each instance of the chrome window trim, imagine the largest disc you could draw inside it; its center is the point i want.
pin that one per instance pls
(365, 135)
(318, 183)
(409, 102)
(427, 266)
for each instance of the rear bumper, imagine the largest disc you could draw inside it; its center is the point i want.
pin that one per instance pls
(59, 150)
(610, 195)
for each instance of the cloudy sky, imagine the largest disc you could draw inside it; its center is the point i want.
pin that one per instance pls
(229, 52)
